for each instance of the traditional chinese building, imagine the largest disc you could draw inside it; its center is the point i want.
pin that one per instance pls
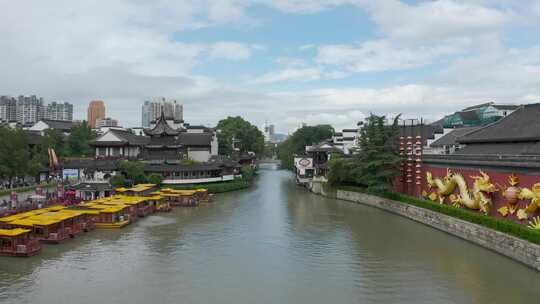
(163, 142)
(182, 154)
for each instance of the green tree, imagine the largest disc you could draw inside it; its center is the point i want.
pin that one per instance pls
(35, 166)
(78, 142)
(14, 154)
(376, 164)
(248, 172)
(247, 136)
(55, 139)
(297, 142)
(155, 178)
(339, 170)
(132, 170)
(118, 181)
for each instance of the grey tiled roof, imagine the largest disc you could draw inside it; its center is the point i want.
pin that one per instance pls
(60, 124)
(508, 148)
(162, 127)
(89, 163)
(451, 137)
(126, 137)
(195, 139)
(523, 125)
(506, 107)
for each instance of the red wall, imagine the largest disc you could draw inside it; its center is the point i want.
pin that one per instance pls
(500, 179)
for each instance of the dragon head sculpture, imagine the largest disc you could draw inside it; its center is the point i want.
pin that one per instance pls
(482, 184)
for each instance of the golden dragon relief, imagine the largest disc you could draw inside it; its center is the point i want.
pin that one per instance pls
(476, 199)
(533, 195)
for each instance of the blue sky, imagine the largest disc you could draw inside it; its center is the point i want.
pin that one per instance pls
(285, 61)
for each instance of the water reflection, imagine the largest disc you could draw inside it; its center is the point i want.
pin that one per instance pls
(272, 243)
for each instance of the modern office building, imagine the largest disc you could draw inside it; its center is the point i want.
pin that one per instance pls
(151, 111)
(96, 111)
(59, 111)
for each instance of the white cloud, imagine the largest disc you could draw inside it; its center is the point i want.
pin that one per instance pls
(232, 50)
(339, 121)
(304, 6)
(291, 62)
(223, 11)
(435, 20)
(289, 74)
(380, 55)
(306, 47)
(505, 71)
(74, 38)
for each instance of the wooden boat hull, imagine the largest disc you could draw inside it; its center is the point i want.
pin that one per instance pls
(19, 254)
(112, 225)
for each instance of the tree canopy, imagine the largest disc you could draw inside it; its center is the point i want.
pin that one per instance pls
(133, 170)
(247, 136)
(14, 153)
(376, 162)
(78, 142)
(297, 142)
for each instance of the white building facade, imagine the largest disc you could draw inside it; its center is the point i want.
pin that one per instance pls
(151, 111)
(59, 111)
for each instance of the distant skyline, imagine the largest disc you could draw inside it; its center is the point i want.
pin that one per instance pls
(283, 61)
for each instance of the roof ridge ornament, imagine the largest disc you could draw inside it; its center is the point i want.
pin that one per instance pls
(162, 127)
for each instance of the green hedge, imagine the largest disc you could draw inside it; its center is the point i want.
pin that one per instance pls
(220, 187)
(24, 189)
(502, 225)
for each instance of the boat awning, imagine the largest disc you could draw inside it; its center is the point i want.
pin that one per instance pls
(13, 232)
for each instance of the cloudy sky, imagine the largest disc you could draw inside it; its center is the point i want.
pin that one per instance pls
(285, 61)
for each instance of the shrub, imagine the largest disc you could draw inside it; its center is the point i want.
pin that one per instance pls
(118, 181)
(155, 178)
(248, 172)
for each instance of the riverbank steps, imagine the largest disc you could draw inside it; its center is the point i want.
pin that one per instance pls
(60, 223)
(507, 245)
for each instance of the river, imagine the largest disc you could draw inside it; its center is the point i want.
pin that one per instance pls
(273, 243)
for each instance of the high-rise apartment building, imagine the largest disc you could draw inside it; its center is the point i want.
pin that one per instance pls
(269, 132)
(29, 109)
(8, 109)
(151, 111)
(96, 110)
(59, 111)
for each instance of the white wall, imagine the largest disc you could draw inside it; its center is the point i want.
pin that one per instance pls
(200, 156)
(214, 146)
(199, 180)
